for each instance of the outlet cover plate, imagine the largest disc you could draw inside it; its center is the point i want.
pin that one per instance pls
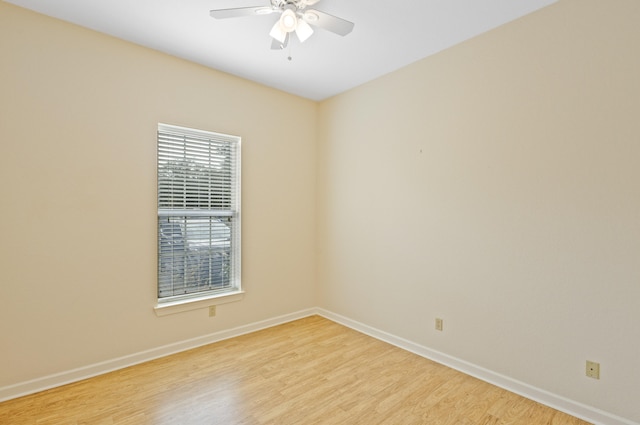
(593, 370)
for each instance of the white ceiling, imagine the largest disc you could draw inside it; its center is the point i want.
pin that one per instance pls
(387, 35)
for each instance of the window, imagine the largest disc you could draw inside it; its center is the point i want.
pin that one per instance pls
(198, 214)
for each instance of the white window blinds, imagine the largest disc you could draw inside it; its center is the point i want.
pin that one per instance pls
(198, 213)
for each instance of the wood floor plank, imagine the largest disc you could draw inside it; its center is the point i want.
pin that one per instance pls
(310, 371)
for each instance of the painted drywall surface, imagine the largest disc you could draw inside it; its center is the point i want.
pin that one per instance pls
(78, 118)
(496, 185)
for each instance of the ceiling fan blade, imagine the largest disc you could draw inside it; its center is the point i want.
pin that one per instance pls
(328, 22)
(241, 11)
(277, 45)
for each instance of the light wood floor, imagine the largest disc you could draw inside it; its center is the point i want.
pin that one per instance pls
(311, 371)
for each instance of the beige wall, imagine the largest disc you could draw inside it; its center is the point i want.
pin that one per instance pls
(78, 118)
(497, 185)
(494, 185)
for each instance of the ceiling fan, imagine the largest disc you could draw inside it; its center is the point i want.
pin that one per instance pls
(294, 17)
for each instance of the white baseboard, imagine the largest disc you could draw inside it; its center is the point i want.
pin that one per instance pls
(587, 413)
(67, 377)
(579, 410)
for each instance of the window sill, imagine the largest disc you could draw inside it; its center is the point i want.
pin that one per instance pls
(165, 309)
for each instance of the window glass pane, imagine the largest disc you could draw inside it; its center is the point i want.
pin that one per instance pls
(194, 255)
(198, 213)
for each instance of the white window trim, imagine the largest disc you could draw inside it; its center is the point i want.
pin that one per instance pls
(164, 309)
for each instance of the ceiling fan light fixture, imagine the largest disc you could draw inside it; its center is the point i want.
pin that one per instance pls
(277, 33)
(288, 21)
(303, 31)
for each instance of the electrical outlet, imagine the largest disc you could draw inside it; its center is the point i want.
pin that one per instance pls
(593, 370)
(212, 310)
(438, 324)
